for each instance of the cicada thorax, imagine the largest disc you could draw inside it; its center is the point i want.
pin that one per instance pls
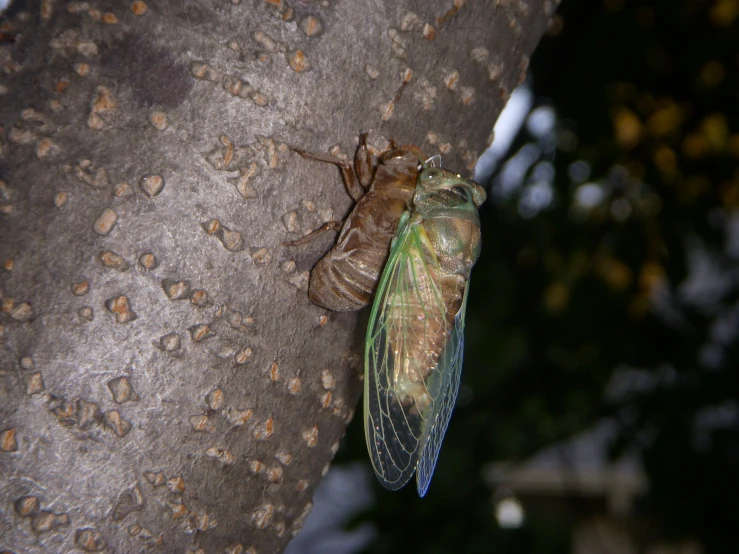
(345, 279)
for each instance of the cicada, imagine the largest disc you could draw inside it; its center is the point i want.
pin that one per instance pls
(415, 336)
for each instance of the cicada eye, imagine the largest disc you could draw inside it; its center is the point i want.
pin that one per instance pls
(431, 174)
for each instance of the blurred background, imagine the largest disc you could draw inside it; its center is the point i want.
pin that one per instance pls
(598, 409)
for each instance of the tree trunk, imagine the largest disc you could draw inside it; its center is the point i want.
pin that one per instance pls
(166, 380)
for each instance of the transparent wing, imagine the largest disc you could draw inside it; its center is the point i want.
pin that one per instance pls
(412, 363)
(450, 370)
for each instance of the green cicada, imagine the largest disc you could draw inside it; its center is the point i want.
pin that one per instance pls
(415, 337)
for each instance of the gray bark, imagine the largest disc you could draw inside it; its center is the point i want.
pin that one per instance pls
(165, 380)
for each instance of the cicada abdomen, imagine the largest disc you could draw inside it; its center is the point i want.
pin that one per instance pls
(415, 338)
(345, 279)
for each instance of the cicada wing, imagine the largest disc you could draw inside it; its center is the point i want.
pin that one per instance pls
(407, 316)
(449, 371)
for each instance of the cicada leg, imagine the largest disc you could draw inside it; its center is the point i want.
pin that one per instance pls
(364, 169)
(356, 179)
(310, 237)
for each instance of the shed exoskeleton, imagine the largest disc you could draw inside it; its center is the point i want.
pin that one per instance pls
(345, 279)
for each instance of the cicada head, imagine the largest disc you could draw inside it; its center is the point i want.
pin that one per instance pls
(409, 152)
(444, 189)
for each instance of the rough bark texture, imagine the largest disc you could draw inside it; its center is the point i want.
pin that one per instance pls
(165, 380)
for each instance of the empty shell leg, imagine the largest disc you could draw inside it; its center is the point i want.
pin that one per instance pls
(313, 235)
(353, 187)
